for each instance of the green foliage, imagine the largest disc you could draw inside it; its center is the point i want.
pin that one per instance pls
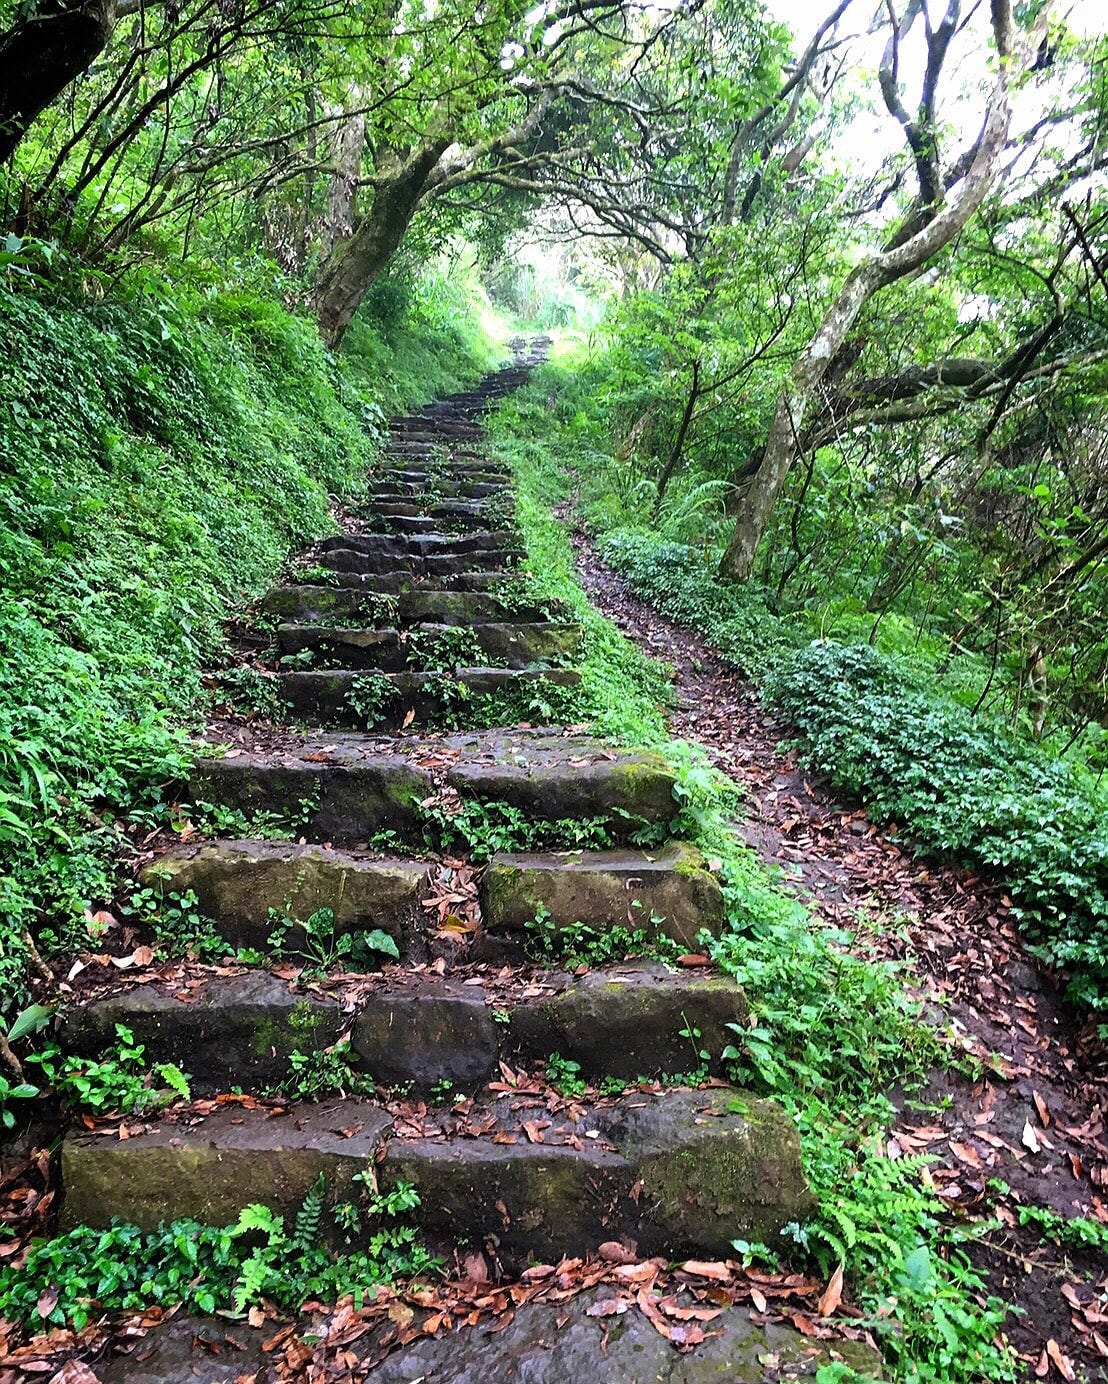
(373, 698)
(118, 1082)
(179, 927)
(579, 944)
(1073, 1232)
(564, 1075)
(164, 451)
(963, 788)
(483, 828)
(446, 650)
(320, 944)
(324, 1072)
(86, 1271)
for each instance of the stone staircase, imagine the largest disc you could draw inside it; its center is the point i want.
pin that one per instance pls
(406, 628)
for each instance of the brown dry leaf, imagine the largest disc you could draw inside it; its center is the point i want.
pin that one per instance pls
(707, 1269)
(48, 1300)
(256, 1317)
(74, 1372)
(409, 717)
(758, 1299)
(534, 1128)
(1062, 1363)
(832, 1294)
(608, 1307)
(537, 1272)
(613, 1252)
(694, 959)
(1041, 1107)
(476, 1270)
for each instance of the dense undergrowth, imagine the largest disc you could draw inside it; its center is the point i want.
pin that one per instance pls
(875, 720)
(165, 449)
(831, 1030)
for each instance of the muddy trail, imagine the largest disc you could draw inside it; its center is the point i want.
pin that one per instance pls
(1035, 1120)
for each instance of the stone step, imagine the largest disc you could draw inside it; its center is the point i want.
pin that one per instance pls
(392, 650)
(239, 884)
(401, 546)
(446, 490)
(680, 1173)
(669, 891)
(341, 696)
(397, 583)
(329, 604)
(385, 563)
(418, 1030)
(345, 788)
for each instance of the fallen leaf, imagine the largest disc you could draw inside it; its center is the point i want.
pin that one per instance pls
(1029, 1139)
(1062, 1363)
(707, 1269)
(832, 1294)
(1041, 1107)
(608, 1307)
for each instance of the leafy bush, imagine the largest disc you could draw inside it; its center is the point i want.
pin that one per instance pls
(963, 788)
(213, 1269)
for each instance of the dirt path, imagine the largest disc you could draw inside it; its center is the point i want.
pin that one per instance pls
(1035, 1121)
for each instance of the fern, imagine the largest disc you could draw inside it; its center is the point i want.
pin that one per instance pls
(309, 1218)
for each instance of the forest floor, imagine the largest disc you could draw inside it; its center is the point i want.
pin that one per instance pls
(1030, 1130)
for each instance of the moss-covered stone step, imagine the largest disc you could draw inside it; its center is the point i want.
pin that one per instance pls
(418, 1030)
(400, 545)
(345, 697)
(361, 604)
(409, 565)
(623, 1021)
(681, 1173)
(397, 582)
(236, 1032)
(345, 788)
(238, 883)
(392, 650)
(669, 891)
(453, 489)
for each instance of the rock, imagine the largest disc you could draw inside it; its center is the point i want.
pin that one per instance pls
(543, 1343)
(238, 883)
(606, 889)
(681, 1173)
(627, 1021)
(237, 1031)
(425, 1033)
(559, 1343)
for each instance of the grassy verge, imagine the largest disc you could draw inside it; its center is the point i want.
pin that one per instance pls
(831, 1030)
(163, 455)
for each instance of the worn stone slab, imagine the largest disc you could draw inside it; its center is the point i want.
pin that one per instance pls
(421, 544)
(384, 562)
(329, 696)
(542, 1343)
(512, 645)
(236, 1031)
(237, 883)
(680, 1172)
(343, 788)
(606, 889)
(624, 1021)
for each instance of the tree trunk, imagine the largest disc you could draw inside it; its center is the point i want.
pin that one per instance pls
(869, 277)
(347, 273)
(42, 56)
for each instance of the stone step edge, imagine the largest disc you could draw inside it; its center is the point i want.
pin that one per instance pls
(681, 1173)
(416, 1030)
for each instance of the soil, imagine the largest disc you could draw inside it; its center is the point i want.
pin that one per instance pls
(1036, 1120)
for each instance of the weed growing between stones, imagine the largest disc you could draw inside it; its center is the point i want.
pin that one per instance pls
(322, 1073)
(579, 944)
(316, 943)
(119, 1081)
